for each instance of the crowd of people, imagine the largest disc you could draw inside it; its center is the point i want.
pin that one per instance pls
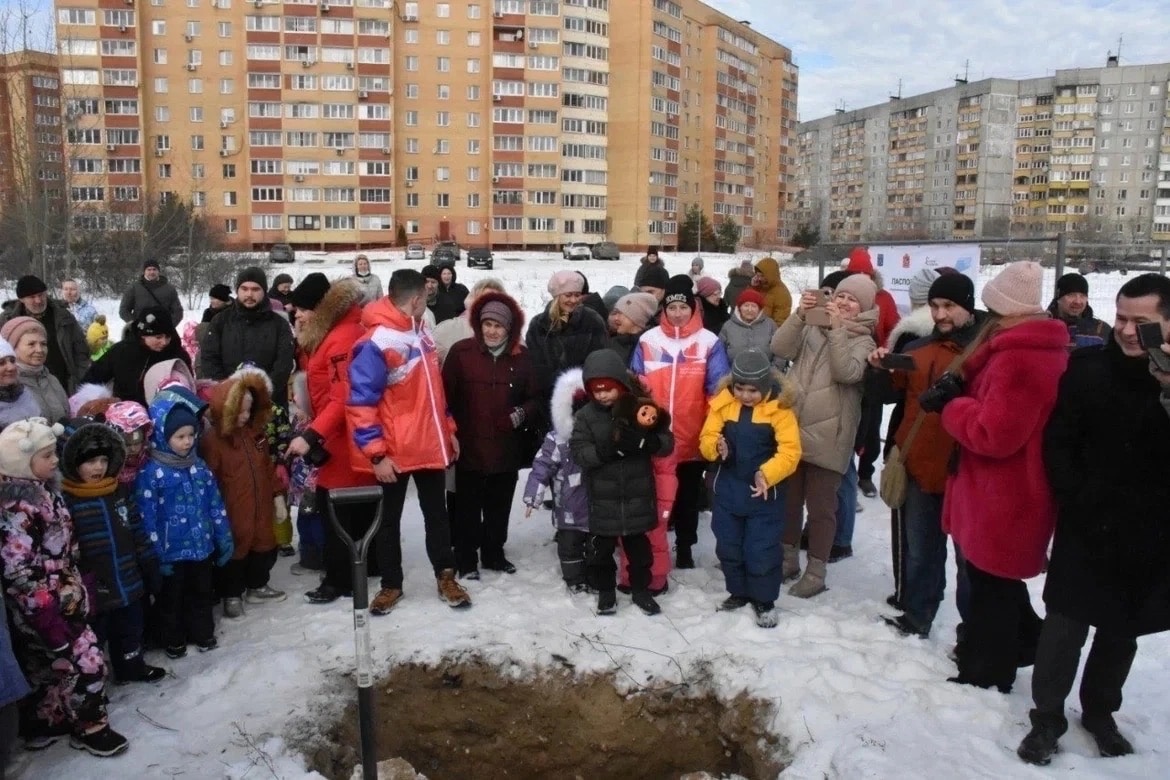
(146, 482)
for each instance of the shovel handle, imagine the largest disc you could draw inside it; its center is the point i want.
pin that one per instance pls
(356, 495)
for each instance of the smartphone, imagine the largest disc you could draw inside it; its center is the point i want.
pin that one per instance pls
(1150, 336)
(898, 361)
(818, 317)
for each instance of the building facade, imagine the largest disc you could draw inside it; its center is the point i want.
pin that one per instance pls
(1085, 151)
(32, 151)
(511, 123)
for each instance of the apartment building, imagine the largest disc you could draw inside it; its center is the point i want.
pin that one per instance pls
(505, 122)
(32, 162)
(1083, 151)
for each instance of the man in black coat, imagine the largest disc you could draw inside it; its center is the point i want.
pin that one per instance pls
(249, 331)
(1107, 462)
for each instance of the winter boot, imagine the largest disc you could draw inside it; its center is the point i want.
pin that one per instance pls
(451, 591)
(791, 562)
(1042, 741)
(813, 581)
(286, 551)
(683, 558)
(732, 603)
(500, 564)
(905, 626)
(103, 742)
(645, 602)
(766, 615)
(207, 645)
(176, 651)
(233, 608)
(265, 595)
(867, 488)
(385, 600)
(840, 552)
(606, 602)
(323, 594)
(1109, 740)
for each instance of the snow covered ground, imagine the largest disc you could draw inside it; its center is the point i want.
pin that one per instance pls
(853, 699)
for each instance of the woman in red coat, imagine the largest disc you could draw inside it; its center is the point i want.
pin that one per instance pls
(492, 393)
(999, 506)
(328, 319)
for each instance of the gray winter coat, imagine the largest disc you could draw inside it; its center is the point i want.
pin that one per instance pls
(371, 287)
(143, 294)
(622, 499)
(738, 335)
(828, 368)
(261, 337)
(22, 407)
(554, 467)
(46, 391)
(69, 335)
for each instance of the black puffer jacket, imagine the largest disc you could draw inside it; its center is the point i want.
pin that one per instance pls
(556, 351)
(125, 364)
(143, 294)
(1106, 458)
(259, 336)
(456, 293)
(621, 492)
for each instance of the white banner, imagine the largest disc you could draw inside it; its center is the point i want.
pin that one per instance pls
(898, 264)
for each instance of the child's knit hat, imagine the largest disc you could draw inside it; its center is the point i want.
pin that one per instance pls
(129, 416)
(179, 417)
(752, 367)
(20, 440)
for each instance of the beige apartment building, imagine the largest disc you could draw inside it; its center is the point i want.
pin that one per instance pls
(32, 161)
(1085, 151)
(511, 123)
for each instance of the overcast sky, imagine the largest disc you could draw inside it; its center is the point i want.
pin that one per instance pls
(854, 53)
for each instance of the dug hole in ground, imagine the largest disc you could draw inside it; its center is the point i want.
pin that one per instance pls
(831, 692)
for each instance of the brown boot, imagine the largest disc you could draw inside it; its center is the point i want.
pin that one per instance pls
(812, 582)
(791, 568)
(451, 591)
(385, 601)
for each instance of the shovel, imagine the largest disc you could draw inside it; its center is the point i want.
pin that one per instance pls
(361, 615)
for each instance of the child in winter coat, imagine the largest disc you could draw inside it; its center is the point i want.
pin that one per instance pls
(115, 550)
(50, 604)
(97, 337)
(131, 419)
(614, 456)
(749, 328)
(752, 434)
(236, 451)
(555, 469)
(183, 512)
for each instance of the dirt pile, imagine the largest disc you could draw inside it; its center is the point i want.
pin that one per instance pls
(467, 719)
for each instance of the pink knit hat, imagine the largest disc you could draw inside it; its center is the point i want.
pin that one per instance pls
(17, 327)
(566, 282)
(707, 286)
(1016, 291)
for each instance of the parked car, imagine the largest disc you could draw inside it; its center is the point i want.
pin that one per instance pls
(415, 252)
(606, 250)
(480, 257)
(578, 250)
(281, 253)
(445, 247)
(444, 257)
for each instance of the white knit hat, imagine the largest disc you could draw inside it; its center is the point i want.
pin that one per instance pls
(1016, 291)
(920, 286)
(566, 282)
(20, 440)
(6, 350)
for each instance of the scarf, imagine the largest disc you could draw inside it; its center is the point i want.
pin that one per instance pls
(497, 351)
(103, 487)
(174, 461)
(10, 393)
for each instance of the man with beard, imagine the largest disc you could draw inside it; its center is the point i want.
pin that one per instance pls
(1071, 306)
(68, 354)
(249, 331)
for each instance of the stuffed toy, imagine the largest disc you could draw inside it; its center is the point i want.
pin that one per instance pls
(640, 413)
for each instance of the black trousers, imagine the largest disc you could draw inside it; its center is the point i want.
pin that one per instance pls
(121, 631)
(184, 604)
(870, 435)
(1001, 633)
(431, 485)
(479, 521)
(9, 725)
(355, 519)
(602, 569)
(249, 572)
(685, 513)
(571, 553)
(1058, 655)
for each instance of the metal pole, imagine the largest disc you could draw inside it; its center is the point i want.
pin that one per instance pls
(1061, 246)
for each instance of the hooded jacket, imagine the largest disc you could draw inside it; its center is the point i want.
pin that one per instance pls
(738, 335)
(238, 457)
(456, 293)
(115, 548)
(370, 285)
(1083, 331)
(397, 407)
(327, 343)
(67, 337)
(554, 467)
(482, 390)
(998, 505)
(126, 363)
(777, 298)
(182, 509)
(828, 368)
(622, 498)
(738, 280)
(682, 368)
(143, 294)
(259, 336)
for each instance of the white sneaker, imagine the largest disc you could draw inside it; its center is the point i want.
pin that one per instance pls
(264, 595)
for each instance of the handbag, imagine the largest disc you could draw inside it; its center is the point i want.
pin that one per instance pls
(892, 486)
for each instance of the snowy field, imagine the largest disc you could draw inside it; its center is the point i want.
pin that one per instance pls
(852, 698)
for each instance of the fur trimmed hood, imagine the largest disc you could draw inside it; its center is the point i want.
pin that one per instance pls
(93, 398)
(568, 395)
(228, 396)
(473, 316)
(79, 440)
(343, 295)
(918, 323)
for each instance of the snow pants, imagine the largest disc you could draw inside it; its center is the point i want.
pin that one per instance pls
(69, 687)
(251, 571)
(677, 488)
(571, 552)
(9, 726)
(748, 546)
(121, 630)
(184, 604)
(603, 571)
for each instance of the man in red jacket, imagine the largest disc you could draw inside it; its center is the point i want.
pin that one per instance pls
(328, 319)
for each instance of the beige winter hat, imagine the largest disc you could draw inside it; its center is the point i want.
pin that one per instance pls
(1016, 291)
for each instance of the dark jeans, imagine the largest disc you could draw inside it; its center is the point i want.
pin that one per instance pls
(431, 485)
(251, 571)
(602, 568)
(846, 506)
(1058, 655)
(184, 604)
(355, 519)
(1002, 629)
(925, 556)
(121, 630)
(685, 513)
(571, 552)
(871, 435)
(479, 526)
(9, 723)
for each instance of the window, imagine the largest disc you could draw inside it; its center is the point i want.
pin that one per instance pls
(442, 37)
(473, 38)
(78, 16)
(443, 64)
(411, 63)
(443, 200)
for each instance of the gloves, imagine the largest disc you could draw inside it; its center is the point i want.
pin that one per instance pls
(517, 416)
(629, 441)
(945, 389)
(225, 554)
(166, 570)
(280, 509)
